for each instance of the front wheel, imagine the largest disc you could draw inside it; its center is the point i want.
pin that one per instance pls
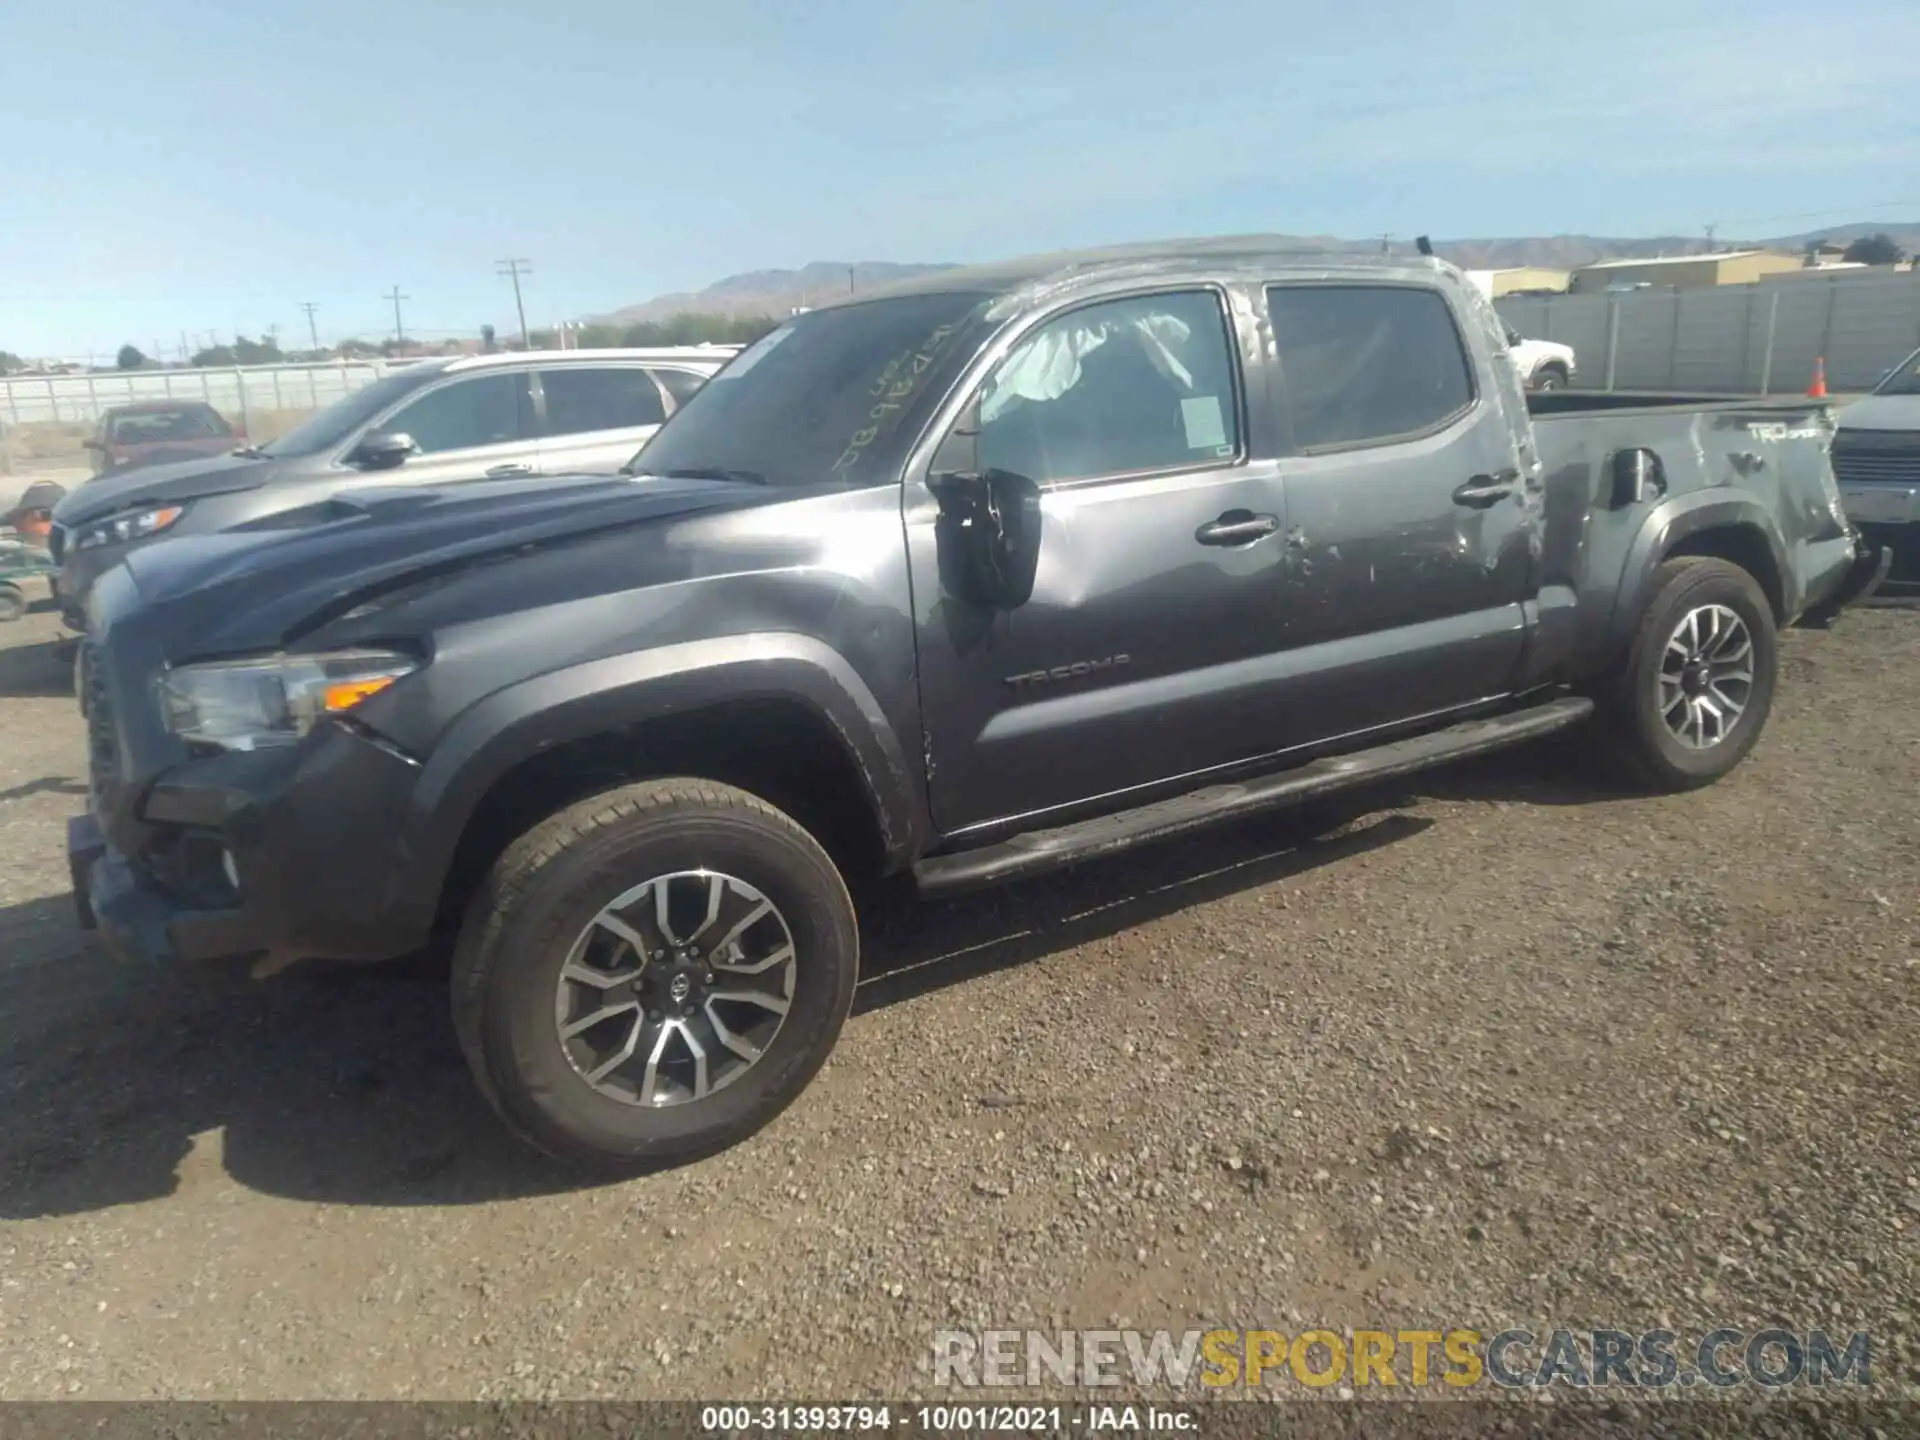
(1550, 379)
(654, 973)
(13, 603)
(1697, 684)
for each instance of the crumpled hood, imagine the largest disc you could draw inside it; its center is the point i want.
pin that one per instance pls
(161, 485)
(261, 583)
(1881, 412)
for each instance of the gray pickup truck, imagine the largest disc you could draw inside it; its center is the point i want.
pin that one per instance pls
(1008, 568)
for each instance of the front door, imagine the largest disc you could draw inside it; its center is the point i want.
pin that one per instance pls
(469, 428)
(1160, 572)
(1411, 513)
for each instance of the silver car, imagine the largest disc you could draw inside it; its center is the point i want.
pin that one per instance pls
(486, 416)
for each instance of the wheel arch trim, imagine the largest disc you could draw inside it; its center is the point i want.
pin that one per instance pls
(579, 701)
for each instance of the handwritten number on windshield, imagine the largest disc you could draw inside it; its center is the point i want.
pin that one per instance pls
(890, 392)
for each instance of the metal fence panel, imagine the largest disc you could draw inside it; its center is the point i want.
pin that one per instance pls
(1748, 339)
(237, 393)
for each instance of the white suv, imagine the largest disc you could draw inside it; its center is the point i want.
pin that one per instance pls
(1543, 364)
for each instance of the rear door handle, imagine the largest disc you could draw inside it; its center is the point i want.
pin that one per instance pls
(1484, 490)
(1237, 527)
(502, 472)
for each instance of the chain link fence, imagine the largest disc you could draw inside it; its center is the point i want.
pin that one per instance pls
(1760, 339)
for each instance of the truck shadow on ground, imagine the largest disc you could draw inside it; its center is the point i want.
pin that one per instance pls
(36, 672)
(347, 1086)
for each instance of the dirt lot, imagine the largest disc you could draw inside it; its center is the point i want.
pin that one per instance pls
(1500, 1048)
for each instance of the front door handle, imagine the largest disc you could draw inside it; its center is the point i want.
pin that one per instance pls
(1484, 490)
(502, 472)
(1237, 527)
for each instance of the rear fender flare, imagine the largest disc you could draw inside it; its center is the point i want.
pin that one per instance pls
(561, 706)
(1679, 519)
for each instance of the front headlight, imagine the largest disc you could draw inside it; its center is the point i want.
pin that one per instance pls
(134, 525)
(273, 699)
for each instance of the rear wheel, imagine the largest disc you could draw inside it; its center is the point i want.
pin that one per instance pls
(1696, 687)
(13, 602)
(653, 974)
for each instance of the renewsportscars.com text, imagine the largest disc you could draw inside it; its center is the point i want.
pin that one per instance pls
(1454, 1358)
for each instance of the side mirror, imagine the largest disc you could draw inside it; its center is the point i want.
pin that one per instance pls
(988, 536)
(1638, 475)
(382, 450)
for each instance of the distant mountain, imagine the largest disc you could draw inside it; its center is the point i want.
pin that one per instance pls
(776, 292)
(772, 292)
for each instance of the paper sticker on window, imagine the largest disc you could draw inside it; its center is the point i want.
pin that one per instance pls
(1206, 426)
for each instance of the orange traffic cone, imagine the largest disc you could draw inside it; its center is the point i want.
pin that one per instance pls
(1818, 389)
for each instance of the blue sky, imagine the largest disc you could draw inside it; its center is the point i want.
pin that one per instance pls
(209, 165)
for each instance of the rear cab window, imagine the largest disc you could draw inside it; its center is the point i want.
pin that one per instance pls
(1368, 364)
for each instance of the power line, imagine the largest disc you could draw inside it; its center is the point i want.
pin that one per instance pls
(399, 331)
(513, 270)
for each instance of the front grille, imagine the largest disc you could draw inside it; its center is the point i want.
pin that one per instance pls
(1892, 459)
(103, 745)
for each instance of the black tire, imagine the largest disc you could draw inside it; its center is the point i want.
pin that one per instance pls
(1551, 378)
(13, 603)
(1642, 742)
(545, 891)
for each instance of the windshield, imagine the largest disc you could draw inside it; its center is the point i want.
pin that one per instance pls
(340, 419)
(827, 398)
(1903, 379)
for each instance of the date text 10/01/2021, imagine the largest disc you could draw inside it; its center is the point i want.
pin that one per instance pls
(941, 1419)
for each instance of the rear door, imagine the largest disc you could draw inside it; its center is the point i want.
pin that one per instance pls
(471, 427)
(1410, 518)
(596, 417)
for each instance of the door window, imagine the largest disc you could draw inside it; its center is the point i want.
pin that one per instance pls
(1145, 383)
(680, 384)
(1367, 364)
(582, 399)
(486, 410)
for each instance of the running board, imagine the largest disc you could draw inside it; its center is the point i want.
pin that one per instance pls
(1042, 850)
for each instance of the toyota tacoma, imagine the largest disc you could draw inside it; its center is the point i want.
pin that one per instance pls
(1001, 570)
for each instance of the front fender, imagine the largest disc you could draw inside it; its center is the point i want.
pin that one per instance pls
(1675, 520)
(550, 710)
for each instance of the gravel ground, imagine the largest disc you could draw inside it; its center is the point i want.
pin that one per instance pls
(1499, 1047)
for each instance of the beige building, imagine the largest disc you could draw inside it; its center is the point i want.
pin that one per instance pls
(1727, 267)
(1519, 280)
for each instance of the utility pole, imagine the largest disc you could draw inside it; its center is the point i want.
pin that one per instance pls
(313, 330)
(849, 280)
(399, 331)
(1386, 244)
(513, 270)
(1710, 230)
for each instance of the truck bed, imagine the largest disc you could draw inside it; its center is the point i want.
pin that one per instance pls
(1549, 404)
(1745, 458)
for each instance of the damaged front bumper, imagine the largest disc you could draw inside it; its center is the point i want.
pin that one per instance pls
(1864, 576)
